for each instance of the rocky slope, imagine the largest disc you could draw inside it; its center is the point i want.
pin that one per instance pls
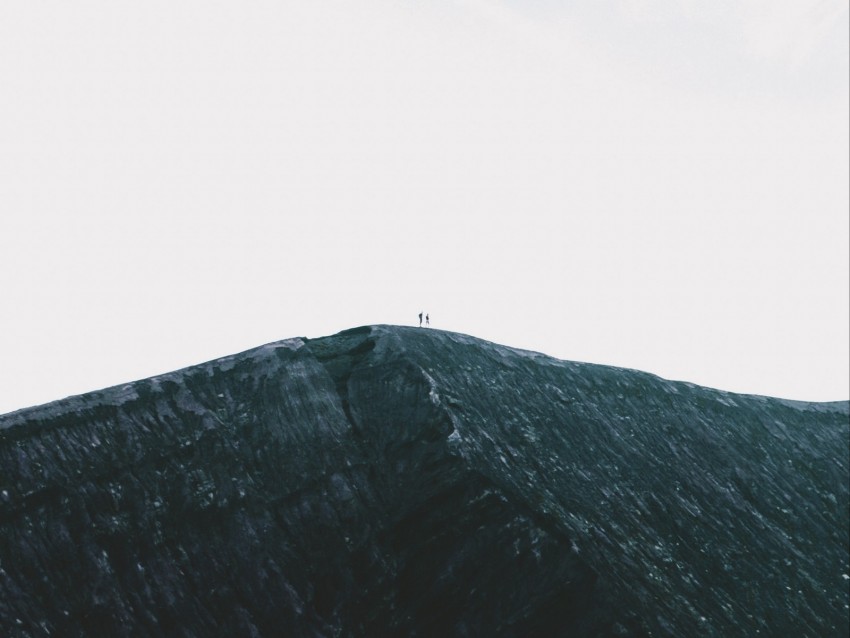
(407, 482)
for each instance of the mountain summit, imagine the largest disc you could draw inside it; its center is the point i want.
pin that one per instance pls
(390, 481)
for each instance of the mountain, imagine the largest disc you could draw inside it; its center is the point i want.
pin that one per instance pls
(390, 481)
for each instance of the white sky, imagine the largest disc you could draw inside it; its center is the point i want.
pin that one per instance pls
(660, 185)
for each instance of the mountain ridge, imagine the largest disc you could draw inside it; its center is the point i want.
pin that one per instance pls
(842, 405)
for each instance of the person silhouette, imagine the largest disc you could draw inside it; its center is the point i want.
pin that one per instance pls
(420, 319)
(427, 320)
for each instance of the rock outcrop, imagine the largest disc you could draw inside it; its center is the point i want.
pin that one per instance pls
(392, 481)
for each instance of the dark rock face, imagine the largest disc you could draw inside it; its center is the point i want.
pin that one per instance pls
(409, 482)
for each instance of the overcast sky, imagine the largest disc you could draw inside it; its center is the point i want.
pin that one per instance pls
(660, 185)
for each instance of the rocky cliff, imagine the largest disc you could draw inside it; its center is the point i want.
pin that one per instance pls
(391, 481)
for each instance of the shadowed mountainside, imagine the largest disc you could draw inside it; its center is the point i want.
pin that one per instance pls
(393, 481)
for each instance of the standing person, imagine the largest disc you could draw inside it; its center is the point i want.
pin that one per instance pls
(420, 319)
(427, 320)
